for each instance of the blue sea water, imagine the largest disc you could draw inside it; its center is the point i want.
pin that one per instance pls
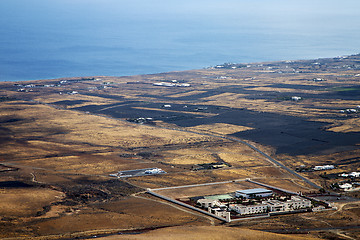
(42, 39)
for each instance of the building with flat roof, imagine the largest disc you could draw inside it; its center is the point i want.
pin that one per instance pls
(271, 206)
(324, 167)
(252, 209)
(206, 203)
(252, 193)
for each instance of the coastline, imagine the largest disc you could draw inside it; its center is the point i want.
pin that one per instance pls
(170, 71)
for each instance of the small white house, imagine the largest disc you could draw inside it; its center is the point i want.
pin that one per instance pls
(346, 186)
(206, 203)
(164, 84)
(295, 98)
(354, 174)
(351, 110)
(318, 208)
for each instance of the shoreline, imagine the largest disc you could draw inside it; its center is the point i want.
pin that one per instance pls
(186, 70)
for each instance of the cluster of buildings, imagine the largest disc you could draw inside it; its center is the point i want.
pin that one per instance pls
(323, 167)
(351, 110)
(173, 83)
(351, 175)
(28, 87)
(265, 205)
(350, 184)
(151, 171)
(138, 172)
(304, 168)
(295, 203)
(346, 186)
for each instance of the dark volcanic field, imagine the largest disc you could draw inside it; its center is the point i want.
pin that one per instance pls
(288, 134)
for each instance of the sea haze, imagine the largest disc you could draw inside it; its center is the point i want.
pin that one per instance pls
(66, 38)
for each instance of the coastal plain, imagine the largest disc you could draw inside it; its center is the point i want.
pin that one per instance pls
(60, 139)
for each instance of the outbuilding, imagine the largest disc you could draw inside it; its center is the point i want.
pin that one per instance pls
(252, 193)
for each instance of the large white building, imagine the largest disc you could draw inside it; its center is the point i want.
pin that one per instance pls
(252, 193)
(252, 209)
(297, 202)
(294, 203)
(154, 171)
(352, 174)
(324, 167)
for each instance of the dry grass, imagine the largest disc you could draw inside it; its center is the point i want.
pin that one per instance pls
(64, 130)
(236, 154)
(223, 188)
(345, 126)
(193, 159)
(242, 160)
(208, 232)
(188, 178)
(132, 213)
(220, 128)
(339, 158)
(93, 100)
(290, 184)
(282, 90)
(26, 201)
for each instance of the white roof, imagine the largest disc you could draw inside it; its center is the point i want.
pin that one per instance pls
(254, 191)
(346, 185)
(204, 200)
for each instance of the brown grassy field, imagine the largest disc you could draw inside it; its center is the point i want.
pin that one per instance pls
(131, 213)
(64, 146)
(213, 233)
(187, 192)
(26, 202)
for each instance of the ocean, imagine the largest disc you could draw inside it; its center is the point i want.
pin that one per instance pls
(41, 39)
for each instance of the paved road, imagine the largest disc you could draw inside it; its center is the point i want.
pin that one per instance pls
(270, 159)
